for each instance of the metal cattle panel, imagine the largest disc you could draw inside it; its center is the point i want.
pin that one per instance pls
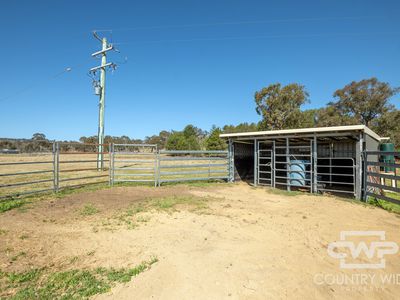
(293, 164)
(134, 163)
(77, 165)
(28, 172)
(381, 178)
(176, 166)
(336, 174)
(265, 162)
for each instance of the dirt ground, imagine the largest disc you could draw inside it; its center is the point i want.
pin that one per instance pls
(238, 242)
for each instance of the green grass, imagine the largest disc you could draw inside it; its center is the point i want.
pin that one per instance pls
(172, 202)
(392, 207)
(70, 284)
(11, 204)
(18, 202)
(132, 219)
(88, 210)
(27, 276)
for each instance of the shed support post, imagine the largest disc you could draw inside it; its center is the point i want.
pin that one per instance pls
(358, 171)
(231, 161)
(365, 170)
(273, 164)
(255, 162)
(315, 165)
(287, 166)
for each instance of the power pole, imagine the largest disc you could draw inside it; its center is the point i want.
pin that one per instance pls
(100, 89)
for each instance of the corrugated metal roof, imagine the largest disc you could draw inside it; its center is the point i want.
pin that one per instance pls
(305, 131)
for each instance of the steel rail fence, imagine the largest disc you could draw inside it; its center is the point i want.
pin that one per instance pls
(64, 168)
(60, 169)
(377, 176)
(134, 163)
(192, 165)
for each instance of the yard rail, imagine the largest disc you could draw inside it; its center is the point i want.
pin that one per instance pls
(379, 183)
(62, 168)
(192, 165)
(134, 163)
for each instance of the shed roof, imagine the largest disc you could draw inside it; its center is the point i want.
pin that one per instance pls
(301, 131)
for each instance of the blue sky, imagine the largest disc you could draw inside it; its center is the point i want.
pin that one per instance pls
(196, 62)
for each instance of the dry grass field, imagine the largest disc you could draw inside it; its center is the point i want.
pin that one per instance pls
(197, 241)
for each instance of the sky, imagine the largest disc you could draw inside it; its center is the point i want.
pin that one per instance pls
(182, 62)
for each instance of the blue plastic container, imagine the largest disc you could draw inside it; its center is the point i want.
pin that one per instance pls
(298, 174)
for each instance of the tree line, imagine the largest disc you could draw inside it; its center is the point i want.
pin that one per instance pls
(364, 102)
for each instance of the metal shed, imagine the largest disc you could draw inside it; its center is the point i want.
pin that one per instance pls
(324, 159)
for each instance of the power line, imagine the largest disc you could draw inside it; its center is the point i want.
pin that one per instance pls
(263, 37)
(292, 20)
(33, 86)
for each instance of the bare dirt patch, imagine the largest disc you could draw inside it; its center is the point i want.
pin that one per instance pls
(214, 242)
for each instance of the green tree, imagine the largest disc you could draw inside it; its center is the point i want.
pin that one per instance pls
(188, 139)
(280, 106)
(39, 137)
(192, 136)
(333, 116)
(177, 141)
(388, 125)
(242, 127)
(308, 118)
(213, 141)
(364, 100)
(160, 140)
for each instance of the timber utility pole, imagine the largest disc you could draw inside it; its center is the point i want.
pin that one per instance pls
(100, 90)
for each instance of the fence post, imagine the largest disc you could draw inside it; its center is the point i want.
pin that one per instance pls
(365, 176)
(156, 167)
(110, 163)
(209, 166)
(57, 167)
(54, 167)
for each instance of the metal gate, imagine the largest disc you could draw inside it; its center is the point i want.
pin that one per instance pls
(187, 165)
(336, 174)
(293, 165)
(265, 159)
(134, 163)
